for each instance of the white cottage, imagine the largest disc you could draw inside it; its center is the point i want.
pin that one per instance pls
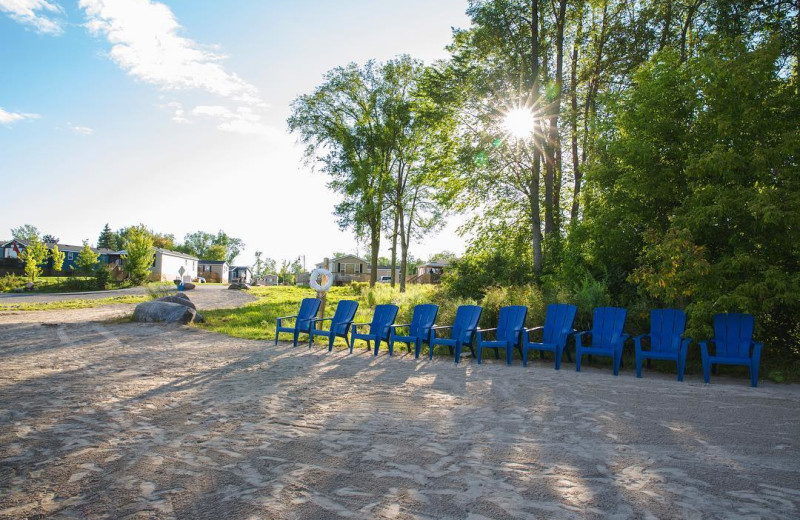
(172, 265)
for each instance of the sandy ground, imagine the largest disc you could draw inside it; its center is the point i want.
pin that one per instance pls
(102, 420)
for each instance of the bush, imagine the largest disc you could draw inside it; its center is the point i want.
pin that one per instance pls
(101, 277)
(10, 282)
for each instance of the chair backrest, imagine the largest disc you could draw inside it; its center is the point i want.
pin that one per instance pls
(733, 334)
(423, 319)
(466, 322)
(384, 316)
(511, 322)
(558, 323)
(607, 325)
(343, 317)
(308, 308)
(666, 328)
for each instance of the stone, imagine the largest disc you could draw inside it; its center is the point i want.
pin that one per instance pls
(177, 299)
(198, 318)
(29, 286)
(156, 311)
(188, 286)
(239, 286)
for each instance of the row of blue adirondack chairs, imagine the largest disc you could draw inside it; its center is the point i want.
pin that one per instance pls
(732, 343)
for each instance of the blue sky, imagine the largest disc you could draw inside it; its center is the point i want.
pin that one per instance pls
(173, 113)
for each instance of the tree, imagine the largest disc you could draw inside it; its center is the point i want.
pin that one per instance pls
(197, 243)
(140, 254)
(270, 266)
(216, 252)
(258, 266)
(87, 260)
(25, 233)
(233, 246)
(344, 127)
(445, 257)
(50, 239)
(164, 241)
(107, 239)
(33, 255)
(58, 258)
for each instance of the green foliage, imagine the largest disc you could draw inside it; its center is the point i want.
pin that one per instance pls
(102, 276)
(215, 252)
(34, 254)
(10, 282)
(87, 259)
(25, 233)
(58, 258)
(140, 254)
(107, 239)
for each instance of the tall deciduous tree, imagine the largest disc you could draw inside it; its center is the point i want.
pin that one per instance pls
(58, 258)
(87, 260)
(24, 233)
(34, 254)
(343, 125)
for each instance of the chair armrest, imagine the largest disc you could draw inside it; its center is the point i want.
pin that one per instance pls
(320, 319)
(757, 346)
(399, 325)
(578, 336)
(534, 329)
(437, 327)
(485, 330)
(704, 347)
(287, 317)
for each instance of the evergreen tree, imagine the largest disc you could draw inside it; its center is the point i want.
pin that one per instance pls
(107, 239)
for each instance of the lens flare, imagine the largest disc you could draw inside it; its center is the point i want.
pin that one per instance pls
(519, 122)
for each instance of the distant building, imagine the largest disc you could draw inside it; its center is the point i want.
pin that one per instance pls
(172, 265)
(241, 274)
(430, 272)
(11, 249)
(350, 268)
(214, 270)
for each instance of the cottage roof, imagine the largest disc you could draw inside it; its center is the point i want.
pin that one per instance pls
(213, 262)
(169, 252)
(435, 264)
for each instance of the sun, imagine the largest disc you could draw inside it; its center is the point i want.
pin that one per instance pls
(519, 122)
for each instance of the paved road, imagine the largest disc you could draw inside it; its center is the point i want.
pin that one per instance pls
(130, 420)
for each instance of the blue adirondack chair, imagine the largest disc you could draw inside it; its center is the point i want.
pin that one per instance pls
(607, 336)
(340, 323)
(303, 321)
(666, 341)
(734, 345)
(419, 330)
(557, 328)
(379, 328)
(508, 334)
(462, 331)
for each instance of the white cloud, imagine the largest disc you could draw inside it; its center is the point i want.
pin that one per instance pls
(146, 42)
(241, 121)
(6, 118)
(83, 130)
(34, 13)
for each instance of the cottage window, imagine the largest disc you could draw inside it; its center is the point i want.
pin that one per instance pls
(69, 256)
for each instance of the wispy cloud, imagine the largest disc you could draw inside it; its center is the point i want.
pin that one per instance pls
(82, 130)
(35, 13)
(6, 118)
(146, 42)
(243, 120)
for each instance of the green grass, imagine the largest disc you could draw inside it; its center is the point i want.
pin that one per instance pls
(73, 304)
(257, 320)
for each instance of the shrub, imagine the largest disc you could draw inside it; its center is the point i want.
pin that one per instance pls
(10, 282)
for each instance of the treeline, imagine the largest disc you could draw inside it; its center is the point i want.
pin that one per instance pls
(203, 245)
(660, 166)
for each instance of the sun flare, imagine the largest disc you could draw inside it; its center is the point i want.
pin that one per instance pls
(519, 122)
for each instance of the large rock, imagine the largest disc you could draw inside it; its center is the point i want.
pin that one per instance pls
(239, 286)
(188, 286)
(177, 299)
(167, 312)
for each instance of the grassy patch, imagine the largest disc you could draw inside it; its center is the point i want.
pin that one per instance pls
(73, 304)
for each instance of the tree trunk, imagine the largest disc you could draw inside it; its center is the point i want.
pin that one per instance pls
(394, 247)
(686, 25)
(577, 171)
(375, 245)
(665, 31)
(535, 214)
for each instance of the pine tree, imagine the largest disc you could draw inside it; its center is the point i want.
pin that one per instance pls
(107, 239)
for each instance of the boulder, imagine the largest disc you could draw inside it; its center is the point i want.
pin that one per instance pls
(198, 318)
(156, 311)
(188, 286)
(29, 286)
(177, 299)
(239, 286)
(181, 296)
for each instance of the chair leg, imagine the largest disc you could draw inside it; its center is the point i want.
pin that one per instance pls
(480, 350)
(578, 356)
(457, 352)
(706, 370)
(558, 355)
(296, 336)
(496, 353)
(430, 351)
(310, 339)
(352, 341)
(754, 372)
(617, 361)
(525, 356)
(509, 354)
(417, 348)
(639, 366)
(276, 337)
(330, 342)
(391, 347)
